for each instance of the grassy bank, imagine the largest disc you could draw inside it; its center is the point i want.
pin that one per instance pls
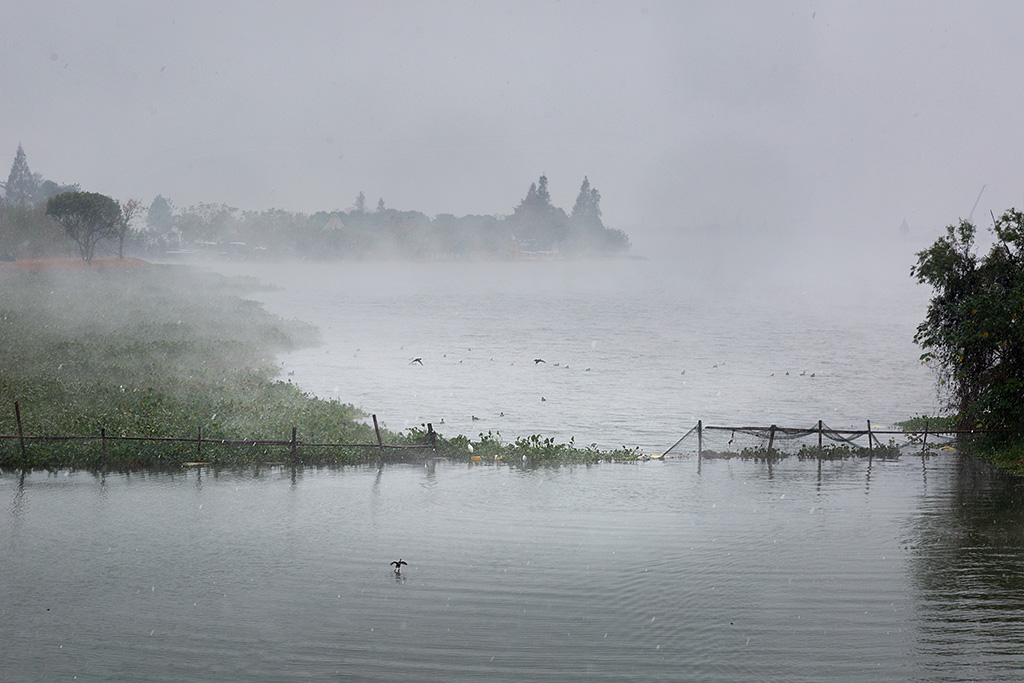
(1004, 451)
(164, 351)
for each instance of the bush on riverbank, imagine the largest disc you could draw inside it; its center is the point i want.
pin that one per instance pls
(971, 333)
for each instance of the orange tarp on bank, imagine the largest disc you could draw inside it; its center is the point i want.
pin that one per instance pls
(72, 264)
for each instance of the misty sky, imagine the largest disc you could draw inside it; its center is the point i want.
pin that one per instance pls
(802, 117)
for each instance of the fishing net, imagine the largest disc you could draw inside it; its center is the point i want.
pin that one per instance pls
(817, 441)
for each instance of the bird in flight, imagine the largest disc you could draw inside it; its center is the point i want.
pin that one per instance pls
(537, 361)
(416, 360)
(398, 565)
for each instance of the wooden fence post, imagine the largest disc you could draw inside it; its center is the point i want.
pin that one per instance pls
(924, 441)
(431, 436)
(103, 444)
(771, 440)
(870, 437)
(21, 434)
(700, 438)
(376, 428)
(293, 443)
(820, 453)
(199, 445)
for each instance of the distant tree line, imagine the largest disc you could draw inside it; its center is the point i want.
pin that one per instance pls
(39, 217)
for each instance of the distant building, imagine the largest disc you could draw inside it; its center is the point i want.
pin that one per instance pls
(334, 223)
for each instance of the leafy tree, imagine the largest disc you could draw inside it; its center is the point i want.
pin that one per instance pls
(208, 223)
(380, 205)
(49, 189)
(22, 185)
(160, 216)
(27, 232)
(974, 329)
(130, 210)
(87, 217)
(360, 205)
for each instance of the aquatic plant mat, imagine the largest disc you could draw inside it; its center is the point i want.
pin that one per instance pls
(816, 442)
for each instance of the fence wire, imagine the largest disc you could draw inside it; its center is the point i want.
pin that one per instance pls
(816, 441)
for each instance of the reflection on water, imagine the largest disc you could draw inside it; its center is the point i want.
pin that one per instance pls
(609, 572)
(968, 570)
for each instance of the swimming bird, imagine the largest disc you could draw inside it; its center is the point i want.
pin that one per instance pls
(398, 565)
(416, 360)
(537, 361)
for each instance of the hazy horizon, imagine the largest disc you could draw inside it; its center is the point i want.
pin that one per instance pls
(794, 118)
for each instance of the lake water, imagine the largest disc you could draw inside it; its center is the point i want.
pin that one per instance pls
(725, 570)
(635, 352)
(895, 570)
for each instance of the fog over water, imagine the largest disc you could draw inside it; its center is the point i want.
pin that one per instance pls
(614, 352)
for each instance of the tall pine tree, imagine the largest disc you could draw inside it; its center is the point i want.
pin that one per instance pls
(587, 210)
(536, 223)
(22, 185)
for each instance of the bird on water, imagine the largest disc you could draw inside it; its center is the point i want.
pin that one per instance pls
(398, 565)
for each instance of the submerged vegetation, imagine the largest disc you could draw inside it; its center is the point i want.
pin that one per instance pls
(166, 351)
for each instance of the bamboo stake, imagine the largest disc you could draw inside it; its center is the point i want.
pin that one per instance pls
(376, 428)
(869, 437)
(924, 441)
(819, 440)
(21, 434)
(199, 445)
(771, 440)
(700, 438)
(293, 443)
(103, 444)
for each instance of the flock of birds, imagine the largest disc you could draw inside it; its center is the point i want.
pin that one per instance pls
(537, 361)
(418, 360)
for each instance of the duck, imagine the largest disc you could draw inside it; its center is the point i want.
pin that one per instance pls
(398, 564)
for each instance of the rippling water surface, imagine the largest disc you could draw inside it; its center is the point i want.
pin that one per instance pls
(722, 570)
(899, 570)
